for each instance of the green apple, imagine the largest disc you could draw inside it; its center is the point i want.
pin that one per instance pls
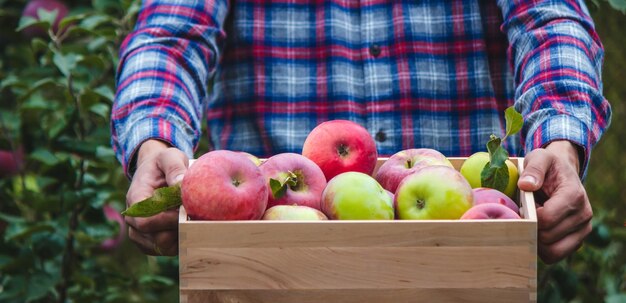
(356, 196)
(293, 212)
(432, 193)
(473, 167)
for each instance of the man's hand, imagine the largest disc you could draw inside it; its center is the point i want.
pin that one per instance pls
(157, 166)
(564, 212)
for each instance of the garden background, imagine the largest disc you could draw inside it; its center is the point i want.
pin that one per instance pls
(58, 172)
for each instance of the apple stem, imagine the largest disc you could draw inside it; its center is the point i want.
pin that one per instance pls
(343, 150)
(409, 163)
(236, 182)
(421, 204)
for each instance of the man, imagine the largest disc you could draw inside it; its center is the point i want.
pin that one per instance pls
(435, 74)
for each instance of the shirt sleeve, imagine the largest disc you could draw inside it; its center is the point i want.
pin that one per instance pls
(165, 65)
(557, 57)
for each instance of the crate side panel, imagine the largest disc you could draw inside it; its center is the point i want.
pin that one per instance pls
(443, 295)
(357, 268)
(356, 233)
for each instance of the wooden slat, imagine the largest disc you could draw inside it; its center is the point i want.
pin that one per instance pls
(356, 268)
(441, 295)
(229, 234)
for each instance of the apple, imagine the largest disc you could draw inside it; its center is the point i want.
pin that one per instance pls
(356, 196)
(489, 195)
(301, 180)
(489, 211)
(293, 212)
(433, 192)
(224, 185)
(252, 157)
(10, 162)
(473, 166)
(114, 215)
(339, 146)
(32, 10)
(406, 162)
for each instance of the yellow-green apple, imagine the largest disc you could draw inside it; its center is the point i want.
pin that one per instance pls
(51, 6)
(406, 162)
(489, 211)
(339, 146)
(433, 192)
(293, 179)
(293, 212)
(252, 157)
(114, 215)
(224, 185)
(473, 166)
(489, 195)
(356, 196)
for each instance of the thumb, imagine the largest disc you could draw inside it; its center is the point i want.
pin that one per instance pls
(536, 165)
(173, 163)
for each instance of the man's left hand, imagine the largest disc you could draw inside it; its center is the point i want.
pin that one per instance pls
(563, 211)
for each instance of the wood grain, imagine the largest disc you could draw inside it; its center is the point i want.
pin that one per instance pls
(361, 261)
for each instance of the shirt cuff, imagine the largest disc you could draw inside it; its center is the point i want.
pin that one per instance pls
(152, 128)
(562, 127)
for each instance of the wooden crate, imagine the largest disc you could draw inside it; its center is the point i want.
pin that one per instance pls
(361, 261)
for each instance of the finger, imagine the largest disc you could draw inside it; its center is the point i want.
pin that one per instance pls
(552, 253)
(173, 163)
(167, 220)
(568, 200)
(143, 241)
(569, 225)
(166, 243)
(536, 164)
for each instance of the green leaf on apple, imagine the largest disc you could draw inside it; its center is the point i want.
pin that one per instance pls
(495, 174)
(162, 199)
(278, 189)
(514, 121)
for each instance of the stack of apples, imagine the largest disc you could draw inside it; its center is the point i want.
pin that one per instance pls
(334, 178)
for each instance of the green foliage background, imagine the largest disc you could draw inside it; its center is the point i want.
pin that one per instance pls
(55, 98)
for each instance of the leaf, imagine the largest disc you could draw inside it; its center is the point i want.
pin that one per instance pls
(45, 156)
(619, 5)
(162, 199)
(105, 92)
(100, 110)
(278, 189)
(66, 63)
(28, 21)
(497, 154)
(514, 121)
(495, 177)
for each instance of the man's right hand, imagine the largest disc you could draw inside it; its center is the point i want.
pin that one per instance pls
(158, 165)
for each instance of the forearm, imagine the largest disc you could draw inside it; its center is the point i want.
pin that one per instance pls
(557, 57)
(165, 64)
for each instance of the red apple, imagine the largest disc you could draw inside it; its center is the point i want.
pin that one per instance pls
(489, 195)
(10, 162)
(293, 212)
(113, 214)
(32, 10)
(356, 196)
(489, 211)
(406, 162)
(339, 146)
(224, 185)
(433, 192)
(301, 180)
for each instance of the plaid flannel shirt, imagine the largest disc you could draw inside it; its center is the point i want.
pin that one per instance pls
(435, 74)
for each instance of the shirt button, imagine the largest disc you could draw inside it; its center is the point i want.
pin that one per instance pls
(380, 136)
(375, 50)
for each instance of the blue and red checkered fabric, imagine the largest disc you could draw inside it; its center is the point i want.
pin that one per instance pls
(436, 74)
